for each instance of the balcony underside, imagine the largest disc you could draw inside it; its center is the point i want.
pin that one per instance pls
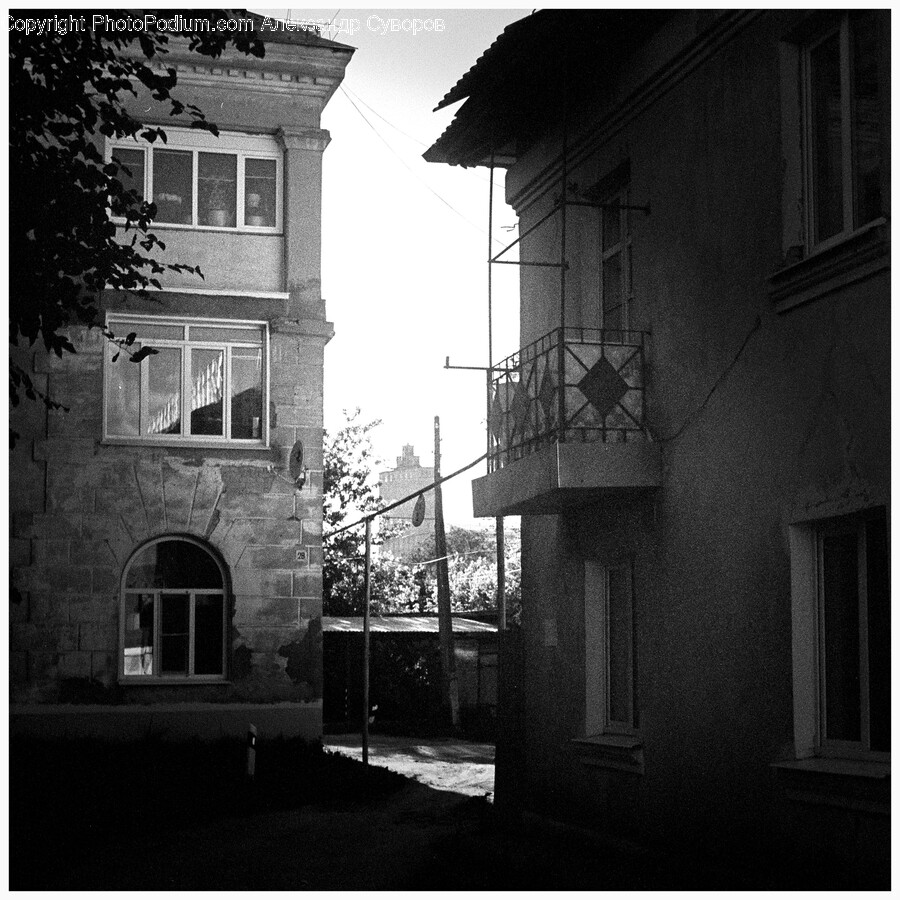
(567, 476)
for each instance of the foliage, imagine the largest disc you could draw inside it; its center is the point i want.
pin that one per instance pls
(68, 91)
(351, 491)
(472, 565)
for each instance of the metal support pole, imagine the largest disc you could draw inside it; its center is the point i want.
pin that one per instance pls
(365, 722)
(490, 299)
(501, 552)
(501, 575)
(561, 361)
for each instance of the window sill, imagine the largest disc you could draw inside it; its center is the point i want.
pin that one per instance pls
(623, 752)
(857, 785)
(151, 680)
(156, 225)
(856, 257)
(251, 447)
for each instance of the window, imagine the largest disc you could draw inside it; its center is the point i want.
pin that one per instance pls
(854, 637)
(841, 616)
(843, 124)
(173, 622)
(207, 381)
(611, 194)
(609, 650)
(615, 261)
(199, 181)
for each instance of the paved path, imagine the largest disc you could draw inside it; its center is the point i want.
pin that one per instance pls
(464, 767)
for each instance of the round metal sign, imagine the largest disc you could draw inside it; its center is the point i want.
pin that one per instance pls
(419, 511)
(295, 462)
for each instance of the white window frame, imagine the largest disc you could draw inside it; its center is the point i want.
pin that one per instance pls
(598, 718)
(124, 610)
(842, 29)
(186, 345)
(243, 146)
(808, 643)
(621, 248)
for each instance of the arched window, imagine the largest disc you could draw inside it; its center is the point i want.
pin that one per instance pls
(174, 613)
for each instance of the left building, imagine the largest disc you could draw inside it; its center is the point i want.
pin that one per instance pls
(166, 568)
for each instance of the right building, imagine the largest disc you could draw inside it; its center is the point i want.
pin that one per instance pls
(696, 430)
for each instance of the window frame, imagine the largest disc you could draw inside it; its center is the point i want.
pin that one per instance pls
(833, 747)
(841, 27)
(243, 146)
(124, 593)
(808, 639)
(598, 696)
(186, 345)
(623, 249)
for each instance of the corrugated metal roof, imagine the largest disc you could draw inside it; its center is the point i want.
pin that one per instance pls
(404, 625)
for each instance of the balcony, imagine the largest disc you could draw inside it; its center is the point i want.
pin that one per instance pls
(566, 424)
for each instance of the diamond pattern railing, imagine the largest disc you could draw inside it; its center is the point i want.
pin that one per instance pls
(573, 384)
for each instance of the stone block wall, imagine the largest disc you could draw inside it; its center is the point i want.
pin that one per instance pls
(80, 509)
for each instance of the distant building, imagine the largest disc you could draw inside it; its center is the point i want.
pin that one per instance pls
(400, 482)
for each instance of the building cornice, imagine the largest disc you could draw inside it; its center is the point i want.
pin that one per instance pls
(313, 139)
(254, 80)
(285, 69)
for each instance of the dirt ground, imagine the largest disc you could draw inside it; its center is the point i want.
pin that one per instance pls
(464, 767)
(367, 846)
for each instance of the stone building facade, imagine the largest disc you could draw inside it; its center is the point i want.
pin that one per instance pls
(696, 429)
(166, 564)
(393, 485)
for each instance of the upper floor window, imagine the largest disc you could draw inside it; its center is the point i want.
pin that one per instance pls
(206, 382)
(198, 180)
(843, 124)
(615, 261)
(611, 194)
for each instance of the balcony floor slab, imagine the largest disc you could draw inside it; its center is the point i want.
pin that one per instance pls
(561, 477)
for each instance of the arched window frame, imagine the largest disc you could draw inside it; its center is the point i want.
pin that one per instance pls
(157, 677)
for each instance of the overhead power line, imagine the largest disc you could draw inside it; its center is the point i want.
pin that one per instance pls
(413, 496)
(415, 140)
(412, 171)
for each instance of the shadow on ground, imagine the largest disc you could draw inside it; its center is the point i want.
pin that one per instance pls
(156, 816)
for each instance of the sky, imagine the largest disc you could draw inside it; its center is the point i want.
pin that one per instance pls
(404, 275)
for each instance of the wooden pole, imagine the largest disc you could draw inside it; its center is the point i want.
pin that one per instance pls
(365, 722)
(445, 619)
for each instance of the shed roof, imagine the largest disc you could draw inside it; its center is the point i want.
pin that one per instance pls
(404, 625)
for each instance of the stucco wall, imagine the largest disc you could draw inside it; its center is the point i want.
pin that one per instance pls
(801, 421)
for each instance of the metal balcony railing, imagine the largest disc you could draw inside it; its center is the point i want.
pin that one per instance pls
(571, 385)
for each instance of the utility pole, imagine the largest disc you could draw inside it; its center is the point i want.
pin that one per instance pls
(368, 585)
(445, 619)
